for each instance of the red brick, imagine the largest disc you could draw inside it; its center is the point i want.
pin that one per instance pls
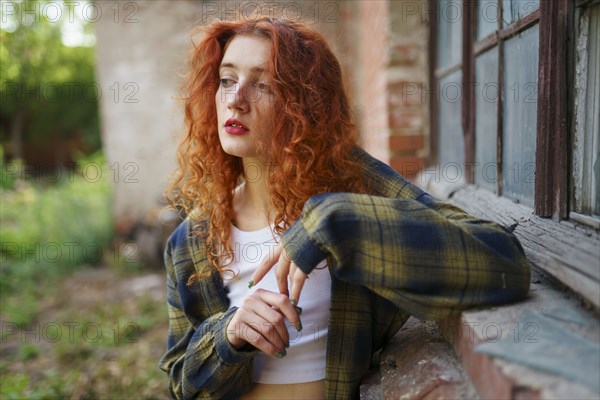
(450, 391)
(420, 365)
(407, 166)
(404, 54)
(406, 143)
(404, 117)
(407, 93)
(526, 394)
(488, 379)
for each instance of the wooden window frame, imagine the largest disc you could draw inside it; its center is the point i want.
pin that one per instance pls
(552, 155)
(551, 194)
(432, 60)
(573, 25)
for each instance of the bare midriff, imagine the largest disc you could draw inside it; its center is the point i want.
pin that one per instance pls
(304, 391)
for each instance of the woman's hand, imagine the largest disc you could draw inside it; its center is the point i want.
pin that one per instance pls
(260, 321)
(285, 268)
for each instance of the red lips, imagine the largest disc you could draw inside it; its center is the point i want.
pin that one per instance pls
(235, 127)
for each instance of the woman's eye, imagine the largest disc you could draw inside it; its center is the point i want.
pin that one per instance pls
(263, 87)
(227, 83)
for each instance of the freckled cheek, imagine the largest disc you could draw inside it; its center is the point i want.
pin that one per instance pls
(264, 119)
(219, 106)
(264, 106)
(218, 97)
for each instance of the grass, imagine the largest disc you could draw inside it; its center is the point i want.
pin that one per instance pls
(99, 344)
(71, 327)
(47, 231)
(98, 341)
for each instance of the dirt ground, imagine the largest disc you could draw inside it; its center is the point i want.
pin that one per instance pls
(98, 334)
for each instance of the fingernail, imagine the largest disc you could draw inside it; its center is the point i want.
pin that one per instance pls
(299, 326)
(299, 310)
(250, 283)
(293, 300)
(281, 354)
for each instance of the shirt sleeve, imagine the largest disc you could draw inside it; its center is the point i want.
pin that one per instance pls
(200, 361)
(427, 257)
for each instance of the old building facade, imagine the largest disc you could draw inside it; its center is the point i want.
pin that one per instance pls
(492, 103)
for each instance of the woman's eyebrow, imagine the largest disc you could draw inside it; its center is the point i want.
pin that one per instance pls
(227, 65)
(254, 71)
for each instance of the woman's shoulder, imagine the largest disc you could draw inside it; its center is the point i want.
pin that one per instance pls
(185, 253)
(188, 230)
(178, 236)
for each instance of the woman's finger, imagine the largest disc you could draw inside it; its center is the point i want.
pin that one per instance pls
(271, 323)
(297, 279)
(283, 305)
(260, 320)
(282, 272)
(252, 334)
(265, 266)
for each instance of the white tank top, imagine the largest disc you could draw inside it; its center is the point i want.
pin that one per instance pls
(305, 359)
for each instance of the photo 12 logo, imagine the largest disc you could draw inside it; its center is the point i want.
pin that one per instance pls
(307, 11)
(28, 13)
(71, 332)
(65, 252)
(70, 92)
(90, 172)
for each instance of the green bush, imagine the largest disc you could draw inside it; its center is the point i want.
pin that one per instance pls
(9, 172)
(49, 229)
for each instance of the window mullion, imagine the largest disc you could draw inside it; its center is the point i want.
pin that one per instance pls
(500, 102)
(468, 105)
(551, 147)
(433, 81)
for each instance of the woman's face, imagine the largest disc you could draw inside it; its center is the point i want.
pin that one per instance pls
(244, 100)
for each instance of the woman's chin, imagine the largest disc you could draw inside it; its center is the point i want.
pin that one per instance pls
(239, 152)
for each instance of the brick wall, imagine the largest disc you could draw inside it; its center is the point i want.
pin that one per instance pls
(384, 55)
(407, 74)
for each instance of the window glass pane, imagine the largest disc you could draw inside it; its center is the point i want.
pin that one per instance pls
(487, 17)
(514, 10)
(450, 16)
(593, 109)
(586, 145)
(486, 118)
(452, 148)
(520, 89)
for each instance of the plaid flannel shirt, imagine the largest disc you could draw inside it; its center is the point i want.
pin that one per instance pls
(396, 253)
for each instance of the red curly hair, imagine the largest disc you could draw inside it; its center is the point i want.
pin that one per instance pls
(310, 150)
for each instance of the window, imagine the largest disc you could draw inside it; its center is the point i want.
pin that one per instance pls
(496, 66)
(506, 99)
(527, 123)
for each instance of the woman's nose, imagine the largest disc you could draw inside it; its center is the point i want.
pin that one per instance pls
(237, 98)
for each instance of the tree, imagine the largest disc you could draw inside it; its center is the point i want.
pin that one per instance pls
(47, 90)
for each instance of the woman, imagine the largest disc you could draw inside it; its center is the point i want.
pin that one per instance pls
(277, 191)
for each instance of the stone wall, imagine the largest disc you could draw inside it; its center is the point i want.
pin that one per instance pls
(141, 52)
(139, 62)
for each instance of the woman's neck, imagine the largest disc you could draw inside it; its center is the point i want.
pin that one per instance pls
(252, 200)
